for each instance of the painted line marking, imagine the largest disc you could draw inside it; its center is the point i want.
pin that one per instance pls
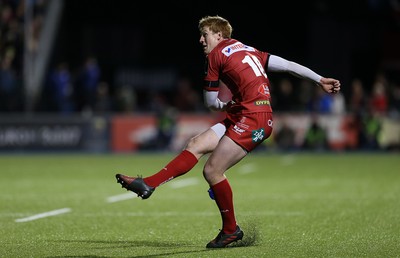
(121, 197)
(288, 160)
(44, 215)
(184, 182)
(247, 168)
(175, 184)
(206, 213)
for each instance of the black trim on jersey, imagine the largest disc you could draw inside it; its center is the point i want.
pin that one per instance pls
(206, 66)
(211, 84)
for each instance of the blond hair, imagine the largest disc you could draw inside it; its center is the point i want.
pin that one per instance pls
(216, 24)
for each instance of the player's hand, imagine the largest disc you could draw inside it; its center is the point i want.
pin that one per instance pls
(231, 107)
(330, 85)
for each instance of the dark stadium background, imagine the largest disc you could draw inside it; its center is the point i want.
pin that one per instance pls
(342, 39)
(146, 51)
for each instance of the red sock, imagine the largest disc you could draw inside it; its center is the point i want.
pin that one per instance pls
(224, 198)
(181, 164)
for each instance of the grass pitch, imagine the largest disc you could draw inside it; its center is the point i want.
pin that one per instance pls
(297, 205)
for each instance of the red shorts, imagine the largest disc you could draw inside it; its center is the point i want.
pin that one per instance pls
(248, 130)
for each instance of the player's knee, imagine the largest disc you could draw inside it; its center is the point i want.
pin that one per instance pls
(197, 147)
(210, 174)
(207, 175)
(191, 144)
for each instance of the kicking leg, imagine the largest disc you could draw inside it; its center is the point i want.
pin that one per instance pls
(197, 147)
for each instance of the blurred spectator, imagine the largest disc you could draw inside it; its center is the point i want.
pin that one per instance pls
(353, 130)
(11, 41)
(166, 128)
(379, 100)
(186, 98)
(59, 90)
(8, 87)
(36, 26)
(322, 102)
(7, 14)
(357, 102)
(305, 95)
(86, 85)
(167, 116)
(285, 137)
(371, 130)
(315, 137)
(284, 98)
(14, 45)
(103, 102)
(338, 104)
(125, 99)
(395, 100)
(11, 34)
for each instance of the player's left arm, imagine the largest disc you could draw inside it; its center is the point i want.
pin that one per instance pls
(279, 64)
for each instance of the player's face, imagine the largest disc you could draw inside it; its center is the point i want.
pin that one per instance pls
(209, 40)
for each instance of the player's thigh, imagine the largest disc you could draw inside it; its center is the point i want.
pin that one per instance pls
(226, 154)
(203, 143)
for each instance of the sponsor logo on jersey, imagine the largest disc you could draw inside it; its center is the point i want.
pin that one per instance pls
(238, 46)
(263, 89)
(261, 102)
(257, 135)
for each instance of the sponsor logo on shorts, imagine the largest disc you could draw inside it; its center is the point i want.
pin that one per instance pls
(238, 130)
(257, 135)
(242, 123)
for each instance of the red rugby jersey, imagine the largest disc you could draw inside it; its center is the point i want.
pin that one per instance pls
(241, 68)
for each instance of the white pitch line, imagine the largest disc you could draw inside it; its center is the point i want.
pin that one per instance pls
(288, 160)
(44, 215)
(175, 184)
(207, 213)
(184, 182)
(247, 168)
(121, 197)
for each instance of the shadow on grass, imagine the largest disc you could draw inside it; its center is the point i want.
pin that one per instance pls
(103, 244)
(189, 253)
(126, 244)
(250, 239)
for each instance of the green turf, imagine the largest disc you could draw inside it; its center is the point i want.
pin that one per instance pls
(299, 205)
